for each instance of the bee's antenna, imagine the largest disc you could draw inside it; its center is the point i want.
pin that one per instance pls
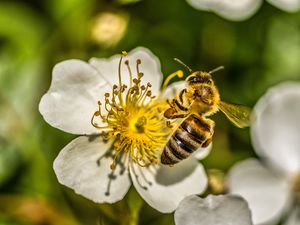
(216, 69)
(182, 63)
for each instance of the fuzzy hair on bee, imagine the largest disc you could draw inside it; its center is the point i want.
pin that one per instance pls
(194, 104)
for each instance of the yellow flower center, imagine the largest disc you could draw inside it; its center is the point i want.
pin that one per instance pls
(134, 120)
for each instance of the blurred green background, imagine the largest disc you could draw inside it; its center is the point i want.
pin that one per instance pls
(35, 35)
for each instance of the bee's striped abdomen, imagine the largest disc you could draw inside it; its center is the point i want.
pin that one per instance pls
(190, 136)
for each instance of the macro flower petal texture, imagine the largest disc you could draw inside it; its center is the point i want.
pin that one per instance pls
(272, 185)
(213, 210)
(117, 105)
(238, 10)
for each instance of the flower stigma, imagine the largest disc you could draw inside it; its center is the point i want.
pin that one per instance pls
(133, 118)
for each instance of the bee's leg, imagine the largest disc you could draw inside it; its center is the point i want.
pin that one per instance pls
(170, 112)
(171, 104)
(175, 116)
(181, 96)
(179, 106)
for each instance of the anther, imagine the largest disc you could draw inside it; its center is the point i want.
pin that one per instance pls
(140, 75)
(149, 93)
(115, 86)
(106, 95)
(124, 53)
(149, 85)
(143, 87)
(138, 61)
(126, 62)
(99, 103)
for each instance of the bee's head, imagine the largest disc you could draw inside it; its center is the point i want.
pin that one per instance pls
(199, 77)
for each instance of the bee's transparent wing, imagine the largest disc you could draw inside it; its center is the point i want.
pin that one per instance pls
(239, 115)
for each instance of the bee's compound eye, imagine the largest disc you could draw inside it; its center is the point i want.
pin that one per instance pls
(195, 79)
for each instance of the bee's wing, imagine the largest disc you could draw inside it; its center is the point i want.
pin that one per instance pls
(239, 115)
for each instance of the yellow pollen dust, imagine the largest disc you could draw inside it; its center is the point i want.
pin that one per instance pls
(133, 118)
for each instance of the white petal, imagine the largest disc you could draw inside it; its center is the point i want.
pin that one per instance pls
(172, 90)
(287, 5)
(150, 66)
(76, 167)
(213, 210)
(201, 4)
(72, 97)
(235, 10)
(266, 193)
(108, 68)
(294, 217)
(169, 185)
(202, 153)
(276, 130)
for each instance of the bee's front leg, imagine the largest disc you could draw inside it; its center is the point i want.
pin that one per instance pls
(172, 113)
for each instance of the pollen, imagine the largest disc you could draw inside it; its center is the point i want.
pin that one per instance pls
(133, 118)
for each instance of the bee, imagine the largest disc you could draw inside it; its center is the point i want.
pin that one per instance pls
(194, 104)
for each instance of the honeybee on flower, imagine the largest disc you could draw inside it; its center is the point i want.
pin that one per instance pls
(117, 106)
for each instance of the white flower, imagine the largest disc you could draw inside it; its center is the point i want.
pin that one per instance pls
(124, 131)
(286, 5)
(213, 210)
(230, 9)
(237, 10)
(272, 187)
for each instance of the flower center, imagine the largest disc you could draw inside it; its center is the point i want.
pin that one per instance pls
(139, 124)
(134, 120)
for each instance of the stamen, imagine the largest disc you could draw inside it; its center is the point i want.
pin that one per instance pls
(140, 75)
(178, 73)
(129, 71)
(134, 119)
(138, 62)
(119, 70)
